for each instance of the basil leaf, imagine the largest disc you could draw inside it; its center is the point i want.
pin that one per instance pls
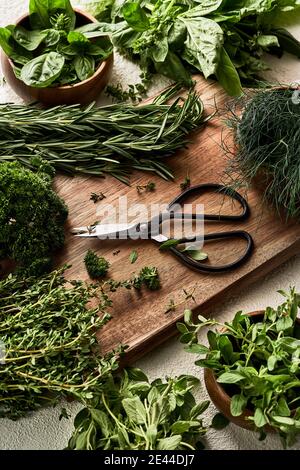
(5, 37)
(203, 43)
(207, 6)
(42, 10)
(160, 51)
(17, 53)
(177, 35)
(84, 67)
(135, 16)
(228, 76)
(38, 14)
(173, 68)
(52, 37)
(78, 39)
(43, 70)
(287, 42)
(30, 40)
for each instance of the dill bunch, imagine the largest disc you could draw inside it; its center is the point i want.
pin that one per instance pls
(267, 137)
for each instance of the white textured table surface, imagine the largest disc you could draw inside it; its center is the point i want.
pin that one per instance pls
(43, 430)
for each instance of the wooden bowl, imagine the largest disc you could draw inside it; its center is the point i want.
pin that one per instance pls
(222, 400)
(82, 93)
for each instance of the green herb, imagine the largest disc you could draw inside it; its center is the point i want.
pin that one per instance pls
(268, 141)
(225, 40)
(194, 253)
(133, 256)
(115, 139)
(51, 350)
(149, 187)
(135, 93)
(149, 277)
(190, 251)
(219, 421)
(32, 216)
(95, 197)
(96, 266)
(186, 183)
(257, 361)
(51, 53)
(133, 413)
(168, 244)
(172, 306)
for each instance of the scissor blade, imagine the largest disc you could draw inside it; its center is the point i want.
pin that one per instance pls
(102, 230)
(159, 238)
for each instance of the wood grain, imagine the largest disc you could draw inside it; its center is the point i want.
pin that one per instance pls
(139, 319)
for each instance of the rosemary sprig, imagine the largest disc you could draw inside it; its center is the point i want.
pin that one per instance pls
(111, 140)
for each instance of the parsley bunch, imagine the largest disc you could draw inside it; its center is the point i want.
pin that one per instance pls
(32, 216)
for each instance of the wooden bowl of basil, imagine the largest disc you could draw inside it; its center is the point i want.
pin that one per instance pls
(50, 61)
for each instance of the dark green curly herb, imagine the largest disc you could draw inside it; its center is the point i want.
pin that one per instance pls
(96, 266)
(148, 188)
(32, 216)
(149, 277)
(96, 197)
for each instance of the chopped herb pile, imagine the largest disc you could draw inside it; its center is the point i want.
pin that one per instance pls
(148, 188)
(149, 277)
(257, 361)
(136, 414)
(95, 197)
(50, 52)
(96, 266)
(32, 216)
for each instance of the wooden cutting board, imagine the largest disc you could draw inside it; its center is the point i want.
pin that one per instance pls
(139, 318)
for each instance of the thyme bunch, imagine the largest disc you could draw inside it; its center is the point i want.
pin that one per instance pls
(48, 331)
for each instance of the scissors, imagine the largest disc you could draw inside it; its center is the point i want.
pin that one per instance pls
(151, 229)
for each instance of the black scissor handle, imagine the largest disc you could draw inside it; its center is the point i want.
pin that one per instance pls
(216, 236)
(216, 188)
